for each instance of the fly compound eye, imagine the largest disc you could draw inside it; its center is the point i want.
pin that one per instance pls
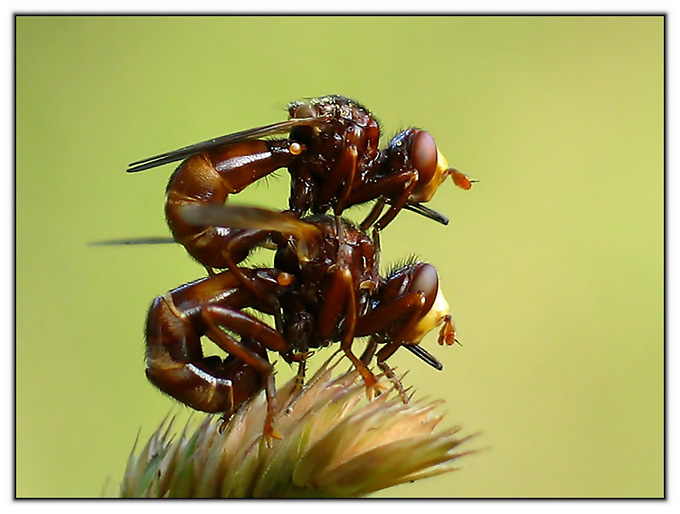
(424, 155)
(435, 308)
(425, 279)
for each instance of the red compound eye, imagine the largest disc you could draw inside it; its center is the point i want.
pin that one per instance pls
(424, 155)
(425, 279)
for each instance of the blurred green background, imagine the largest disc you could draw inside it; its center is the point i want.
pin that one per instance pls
(552, 263)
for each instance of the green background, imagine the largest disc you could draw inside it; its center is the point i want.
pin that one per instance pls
(552, 263)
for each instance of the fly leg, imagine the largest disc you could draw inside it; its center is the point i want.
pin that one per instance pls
(396, 188)
(373, 216)
(369, 352)
(383, 319)
(340, 306)
(338, 185)
(383, 354)
(246, 326)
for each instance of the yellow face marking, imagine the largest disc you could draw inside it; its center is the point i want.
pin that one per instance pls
(442, 164)
(434, 317)
(425, 192)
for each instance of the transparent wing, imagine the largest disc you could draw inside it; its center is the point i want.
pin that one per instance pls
(182, 153)
(135, 241)
(257, 218)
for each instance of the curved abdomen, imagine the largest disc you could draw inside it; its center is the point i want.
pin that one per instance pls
(209, 178)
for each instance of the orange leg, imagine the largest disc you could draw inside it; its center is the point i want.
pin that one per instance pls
(382, 356)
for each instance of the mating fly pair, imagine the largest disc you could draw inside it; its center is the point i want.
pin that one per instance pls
(324, 285)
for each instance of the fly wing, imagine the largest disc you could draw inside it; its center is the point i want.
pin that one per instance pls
(135, 241)
(254, 218)
(183, 153)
